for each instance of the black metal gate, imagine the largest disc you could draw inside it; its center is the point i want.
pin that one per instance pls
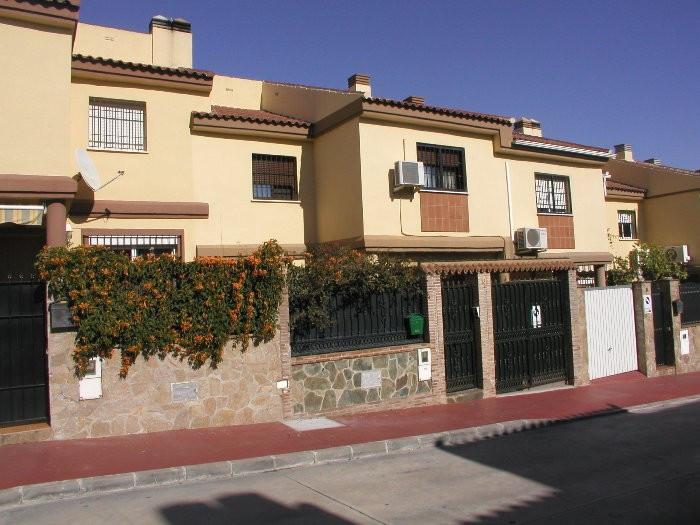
(532, 333)
(23, 372)
(461, 332)
(663, 322)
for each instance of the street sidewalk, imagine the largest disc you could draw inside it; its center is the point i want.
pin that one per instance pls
(33, 463)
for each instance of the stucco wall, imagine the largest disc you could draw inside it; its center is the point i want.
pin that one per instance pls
(223, 175)
(34, 99)
(242, 390)
(621, 247)
(110, 42)
(673, 220)
(338, 184)
(384, 214)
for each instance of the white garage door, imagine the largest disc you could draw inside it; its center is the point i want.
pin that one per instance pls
(612, 343)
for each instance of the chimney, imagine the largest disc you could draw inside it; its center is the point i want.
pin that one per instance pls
(171, 42)
(654, 161)
(361, 83)
(528, 126)
(623, 152)
(413, 99)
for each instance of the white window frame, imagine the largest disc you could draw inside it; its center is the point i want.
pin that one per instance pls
(631, 219)
(116, 125)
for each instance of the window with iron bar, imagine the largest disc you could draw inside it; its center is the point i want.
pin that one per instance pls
(444, 167)
(627, 224)
(138, 245)
(117, 125)
(274, 177)
(552, 194)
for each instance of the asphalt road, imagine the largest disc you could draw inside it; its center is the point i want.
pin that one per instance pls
(641, 467)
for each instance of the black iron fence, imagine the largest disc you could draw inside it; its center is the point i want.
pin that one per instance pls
(378, 320)
(690, 295)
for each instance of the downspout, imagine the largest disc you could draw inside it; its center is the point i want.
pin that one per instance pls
(510, 200)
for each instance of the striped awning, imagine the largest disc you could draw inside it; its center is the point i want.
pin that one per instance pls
(26, 215)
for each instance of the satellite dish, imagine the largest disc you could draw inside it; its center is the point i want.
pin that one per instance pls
(89, 172)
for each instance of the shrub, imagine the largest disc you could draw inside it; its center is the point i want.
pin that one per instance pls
(647, 260)
(155, 306)
(350, 274)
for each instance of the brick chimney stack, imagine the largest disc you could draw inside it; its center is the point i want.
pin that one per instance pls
(360, 82)
(528, 126)
(624, 152)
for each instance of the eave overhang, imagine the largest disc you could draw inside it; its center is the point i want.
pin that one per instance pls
(55, 14)
(218, 125)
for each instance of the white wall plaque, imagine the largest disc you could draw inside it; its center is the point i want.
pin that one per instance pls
(371, 379)
(90, 386)
(183, 391)
(536, 313)
(647, 304)
(685, 342)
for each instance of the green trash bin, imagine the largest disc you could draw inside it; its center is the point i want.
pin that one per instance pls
(416, 324)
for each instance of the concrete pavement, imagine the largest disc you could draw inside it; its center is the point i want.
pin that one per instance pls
(635, 467)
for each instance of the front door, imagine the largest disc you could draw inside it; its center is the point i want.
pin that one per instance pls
(460, 323)
(23, 371)
(663, 322)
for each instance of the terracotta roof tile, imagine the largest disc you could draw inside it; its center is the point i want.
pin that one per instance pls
(501, 265)
(485, 117)
(250, 115)
(555, 142)
(198, 74)
(612, 184)
(72, 5)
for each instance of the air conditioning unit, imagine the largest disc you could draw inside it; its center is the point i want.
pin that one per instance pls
(678, 254)
(408, 174)
(531, 239)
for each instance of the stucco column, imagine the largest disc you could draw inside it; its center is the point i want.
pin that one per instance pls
(285, 354)
(488, 349)
(56, 223)
(600, 279)
(644, 329)
(578, 369)
(433, 285)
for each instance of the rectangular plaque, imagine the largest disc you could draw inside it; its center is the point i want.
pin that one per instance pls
(183, 391)
(371, 379)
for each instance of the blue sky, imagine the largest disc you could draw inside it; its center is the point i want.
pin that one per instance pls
(596, 72)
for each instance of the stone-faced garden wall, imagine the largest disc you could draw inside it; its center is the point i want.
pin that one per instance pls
(358, 381)
(241, 390)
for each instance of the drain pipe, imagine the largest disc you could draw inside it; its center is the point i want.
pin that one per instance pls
(510, 200)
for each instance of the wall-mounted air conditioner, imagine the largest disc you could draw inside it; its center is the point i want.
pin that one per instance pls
(531, 239)
(408, 174)
(678, 253)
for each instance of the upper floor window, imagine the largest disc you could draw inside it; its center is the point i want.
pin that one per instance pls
(117, 125)
(274, 177)
(552, 194)
(444, 167)
(627, 224)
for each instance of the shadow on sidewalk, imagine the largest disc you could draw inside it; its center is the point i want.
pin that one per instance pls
(246, 508)
(610, 468)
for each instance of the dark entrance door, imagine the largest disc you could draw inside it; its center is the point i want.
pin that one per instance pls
(23, 372)
(663, 322)
(532, 333)
(461, 332)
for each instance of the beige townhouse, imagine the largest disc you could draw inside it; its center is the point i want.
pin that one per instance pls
(117, 140)
(647, 201)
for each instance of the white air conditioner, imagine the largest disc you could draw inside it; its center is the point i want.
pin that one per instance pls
(408, 174)
(678, 253)
(529, 239)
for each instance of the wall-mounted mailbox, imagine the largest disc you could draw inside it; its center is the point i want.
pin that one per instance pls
(61, 317)
(416, 324)
(424, 364)
(90, 385)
